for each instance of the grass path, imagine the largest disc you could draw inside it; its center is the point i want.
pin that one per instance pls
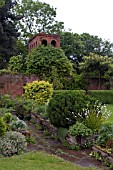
(37, 161)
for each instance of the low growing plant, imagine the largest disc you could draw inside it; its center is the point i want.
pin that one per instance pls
(18, 125)
(105, 134)
(62, 132)
(12, 143)
(96, 115)
(79, 129)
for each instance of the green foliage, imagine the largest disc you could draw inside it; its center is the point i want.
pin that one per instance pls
(62, 132)
(50, 64)
(97, 66)
(40, 110)
(105, 134)
(2, 127)
(18, 125)
(93, 121)
(8, 32)
(72, 46)
(16, 63)
(96, 115)
(40, 91)
(2, 3)
(12, 143)
(105, 96)
(37, 17)
(39, 160)
(94, 44)
(66, 107)
(21, 108)
(79, 129)
(7, 117)
(6, 101)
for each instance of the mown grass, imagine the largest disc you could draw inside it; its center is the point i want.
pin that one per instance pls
(37, 161)
(110, 107)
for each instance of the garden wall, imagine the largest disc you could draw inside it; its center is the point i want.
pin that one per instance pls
(93, 84)
(12, 84)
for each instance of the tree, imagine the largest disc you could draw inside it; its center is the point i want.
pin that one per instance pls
(8, 31)
(49, 63)
(38, 17)
(97, 66)
(72, 45)
(73, 48)
(96, 45)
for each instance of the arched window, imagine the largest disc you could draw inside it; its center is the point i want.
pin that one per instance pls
(53, 42)
(44, 42)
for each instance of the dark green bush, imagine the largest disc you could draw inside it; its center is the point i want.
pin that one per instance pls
(66, 107)
(105, 96)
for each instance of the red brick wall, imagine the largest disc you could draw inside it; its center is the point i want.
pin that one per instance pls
(93, 84)
(37, 40)
(13, 84)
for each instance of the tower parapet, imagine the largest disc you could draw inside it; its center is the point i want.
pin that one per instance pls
(44, 39)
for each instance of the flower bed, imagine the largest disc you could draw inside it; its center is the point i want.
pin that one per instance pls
(103, 155)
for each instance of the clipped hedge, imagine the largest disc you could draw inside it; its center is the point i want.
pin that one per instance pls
(104, 96)
(66, 107)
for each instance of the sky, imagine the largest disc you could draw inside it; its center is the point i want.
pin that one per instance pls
(90, 16)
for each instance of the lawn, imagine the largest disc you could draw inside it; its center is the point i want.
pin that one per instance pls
(37, 161)
(110, 107)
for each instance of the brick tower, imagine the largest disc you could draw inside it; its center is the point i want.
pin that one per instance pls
(44, 39)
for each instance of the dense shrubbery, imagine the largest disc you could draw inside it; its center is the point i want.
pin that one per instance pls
(105, 96)
(105, 134)
(66, 107)
(79, 129)
(40, 91)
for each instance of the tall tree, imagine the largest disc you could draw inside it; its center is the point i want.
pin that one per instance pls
(38, 17)
(8, 31)
(72, 45)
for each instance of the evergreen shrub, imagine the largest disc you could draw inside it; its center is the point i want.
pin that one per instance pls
(66, 107)
(40, 91)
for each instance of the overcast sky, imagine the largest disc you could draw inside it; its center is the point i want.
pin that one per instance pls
(91, 16)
